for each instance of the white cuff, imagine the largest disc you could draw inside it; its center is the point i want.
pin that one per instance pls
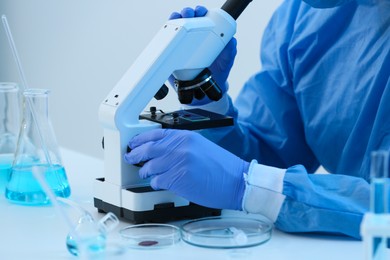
(264, 190)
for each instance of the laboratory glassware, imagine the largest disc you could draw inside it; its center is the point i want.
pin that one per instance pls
(379, 201)
(36, 148)
(227, 232)
(91, 234)
(88, 237)
(142, 236)
(9, 128)
(379, 174)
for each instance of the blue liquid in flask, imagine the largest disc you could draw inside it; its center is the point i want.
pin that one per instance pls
(23, 188)
(5, 170)
(93, 245)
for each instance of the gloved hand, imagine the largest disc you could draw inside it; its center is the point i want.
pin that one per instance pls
(222, 65)
(191, 166)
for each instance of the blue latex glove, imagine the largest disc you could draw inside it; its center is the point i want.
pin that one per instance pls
(222, 65)
(191, 166)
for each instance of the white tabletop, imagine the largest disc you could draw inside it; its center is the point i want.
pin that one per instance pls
(39, 232)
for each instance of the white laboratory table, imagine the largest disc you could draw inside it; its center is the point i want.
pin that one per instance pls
(39, 232)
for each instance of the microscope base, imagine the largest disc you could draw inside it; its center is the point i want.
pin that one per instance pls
(160, 212)
(191, 211)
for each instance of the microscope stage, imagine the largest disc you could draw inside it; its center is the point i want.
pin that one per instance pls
(189, 119)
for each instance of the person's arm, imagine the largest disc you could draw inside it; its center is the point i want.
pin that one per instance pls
(300, 202)
(269, 129)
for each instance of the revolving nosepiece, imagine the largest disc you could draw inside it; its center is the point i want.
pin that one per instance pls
(203, 85)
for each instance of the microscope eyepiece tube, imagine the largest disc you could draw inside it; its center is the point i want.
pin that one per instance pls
(235, 7)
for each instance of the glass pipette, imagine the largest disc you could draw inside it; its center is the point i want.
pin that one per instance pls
(24, 85)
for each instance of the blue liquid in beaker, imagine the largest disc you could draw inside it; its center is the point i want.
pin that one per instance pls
(23, 188)
(5, 170)
(93, 244)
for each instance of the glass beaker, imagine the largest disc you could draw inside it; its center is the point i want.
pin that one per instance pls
(88, 236)
(37, 147)
(9, 128)
(92, 234)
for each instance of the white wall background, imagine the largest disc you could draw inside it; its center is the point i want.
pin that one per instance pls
(79, 49)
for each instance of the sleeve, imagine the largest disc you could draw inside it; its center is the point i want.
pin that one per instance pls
(268, 125)
(300, 202)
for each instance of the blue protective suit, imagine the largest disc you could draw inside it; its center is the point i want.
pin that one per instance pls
(322, 97)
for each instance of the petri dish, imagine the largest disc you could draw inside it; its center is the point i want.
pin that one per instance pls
(226, 232)
(150, 236)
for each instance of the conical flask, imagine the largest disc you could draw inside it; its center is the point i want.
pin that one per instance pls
(9, 129)
(37, 147)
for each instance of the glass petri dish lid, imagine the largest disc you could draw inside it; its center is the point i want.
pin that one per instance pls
(150, 236)
(226, 232)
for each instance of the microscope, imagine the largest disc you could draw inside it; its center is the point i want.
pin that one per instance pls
(183, 48)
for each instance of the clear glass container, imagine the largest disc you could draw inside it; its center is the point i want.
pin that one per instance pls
(379, 174)
(150, 236)
(9, 128)
(37, 147)
(90, 237)
(226, 232)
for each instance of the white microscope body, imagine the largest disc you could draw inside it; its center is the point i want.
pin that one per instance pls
(182, 47)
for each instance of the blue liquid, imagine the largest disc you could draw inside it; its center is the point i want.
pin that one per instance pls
(379, 196)
(23, 188)
(93, 245)
(5, 170)
(379, 205)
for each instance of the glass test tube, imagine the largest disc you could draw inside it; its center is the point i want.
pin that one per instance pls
(379, 173)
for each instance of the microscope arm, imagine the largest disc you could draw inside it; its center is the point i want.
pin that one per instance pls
(183, 47)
